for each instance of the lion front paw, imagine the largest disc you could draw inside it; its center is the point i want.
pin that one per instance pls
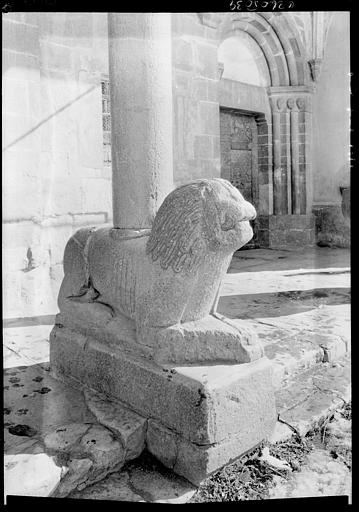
(209, 340)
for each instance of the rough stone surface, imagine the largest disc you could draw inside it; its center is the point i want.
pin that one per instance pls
(300, 311)
(36, 400)
(284, 231)
(168, 278)
(173, 395)
(333, 228)
(140, 481)
(158, 488)
(140, 64)
(115, 487)
(312, 394)
(76, 477)
(128, 426)
(64, 438)
(231, 406)
(90, 452)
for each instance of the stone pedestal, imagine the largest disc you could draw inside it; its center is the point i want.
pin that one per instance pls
(199, 417)
(286, 231)
(138, 323)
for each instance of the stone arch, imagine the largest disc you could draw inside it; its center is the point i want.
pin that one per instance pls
(278, 39)
(243, 60)
(285, 155)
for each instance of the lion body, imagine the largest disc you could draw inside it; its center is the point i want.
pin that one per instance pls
(171, 276)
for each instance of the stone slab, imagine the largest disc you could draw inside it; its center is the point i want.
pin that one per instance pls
(115, 487)
(128, 426)
(35, 400)
(313, 394)
(213, 413)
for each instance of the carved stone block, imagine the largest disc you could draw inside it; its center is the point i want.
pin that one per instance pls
(201, 417)
(158, 290)
(138, 323)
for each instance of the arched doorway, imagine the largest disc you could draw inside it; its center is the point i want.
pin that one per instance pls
(265, 76)
(243, 123)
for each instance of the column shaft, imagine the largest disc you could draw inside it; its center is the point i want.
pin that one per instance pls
(277, 167)
(295, 162)
(140, 71)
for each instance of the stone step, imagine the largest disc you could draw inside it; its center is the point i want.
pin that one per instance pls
(301, 313)
(295, 343)
(311, 397)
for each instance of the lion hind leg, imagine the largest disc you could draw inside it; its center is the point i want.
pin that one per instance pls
(76, 281)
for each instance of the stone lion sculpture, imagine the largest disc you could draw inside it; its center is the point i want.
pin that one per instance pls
(159, 288)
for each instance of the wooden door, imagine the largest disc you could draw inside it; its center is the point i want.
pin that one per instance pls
(239, 156)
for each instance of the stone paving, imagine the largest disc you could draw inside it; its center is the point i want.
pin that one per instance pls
(299, 304)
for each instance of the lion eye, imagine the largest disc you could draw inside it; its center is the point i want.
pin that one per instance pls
(228, 224)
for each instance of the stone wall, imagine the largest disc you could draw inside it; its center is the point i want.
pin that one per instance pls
(54, 180)
(195, 99)
(331, 117)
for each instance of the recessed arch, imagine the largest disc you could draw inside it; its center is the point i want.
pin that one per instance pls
(243, 60)
(290, 37)
(278, 40)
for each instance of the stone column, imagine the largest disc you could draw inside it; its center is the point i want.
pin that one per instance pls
(140, 71)
(294, 151)
(277, 170)
(280, 157)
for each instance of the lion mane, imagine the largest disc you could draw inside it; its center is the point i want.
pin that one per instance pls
(188, 221)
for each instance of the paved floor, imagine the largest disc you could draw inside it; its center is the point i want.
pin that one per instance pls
(297, 301)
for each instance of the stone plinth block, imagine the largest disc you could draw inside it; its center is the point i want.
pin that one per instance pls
(276, 231)
(200, 417)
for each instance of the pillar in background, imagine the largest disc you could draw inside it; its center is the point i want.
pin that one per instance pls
(292, 223)
(140, 71)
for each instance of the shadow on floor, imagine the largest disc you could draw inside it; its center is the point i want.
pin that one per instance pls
(264, 305)
(29, 321)
(256, 260)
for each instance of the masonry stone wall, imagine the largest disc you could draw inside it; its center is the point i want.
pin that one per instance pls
(195, 99)
(331, 118)
(54, 177)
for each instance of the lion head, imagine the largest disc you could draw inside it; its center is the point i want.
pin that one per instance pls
(203, 215)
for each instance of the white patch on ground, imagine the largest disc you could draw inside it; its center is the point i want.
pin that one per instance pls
(321, 476)
(31, 475)
(273, 461)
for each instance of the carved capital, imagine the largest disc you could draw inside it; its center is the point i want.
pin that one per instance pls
(220, 69)
(291, 104)
(315, 66)
(291, 100)
(278, 103)
(301, 103)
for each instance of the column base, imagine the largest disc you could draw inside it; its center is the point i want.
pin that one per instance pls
(286, 231)
(200, 418)
(332, 227)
